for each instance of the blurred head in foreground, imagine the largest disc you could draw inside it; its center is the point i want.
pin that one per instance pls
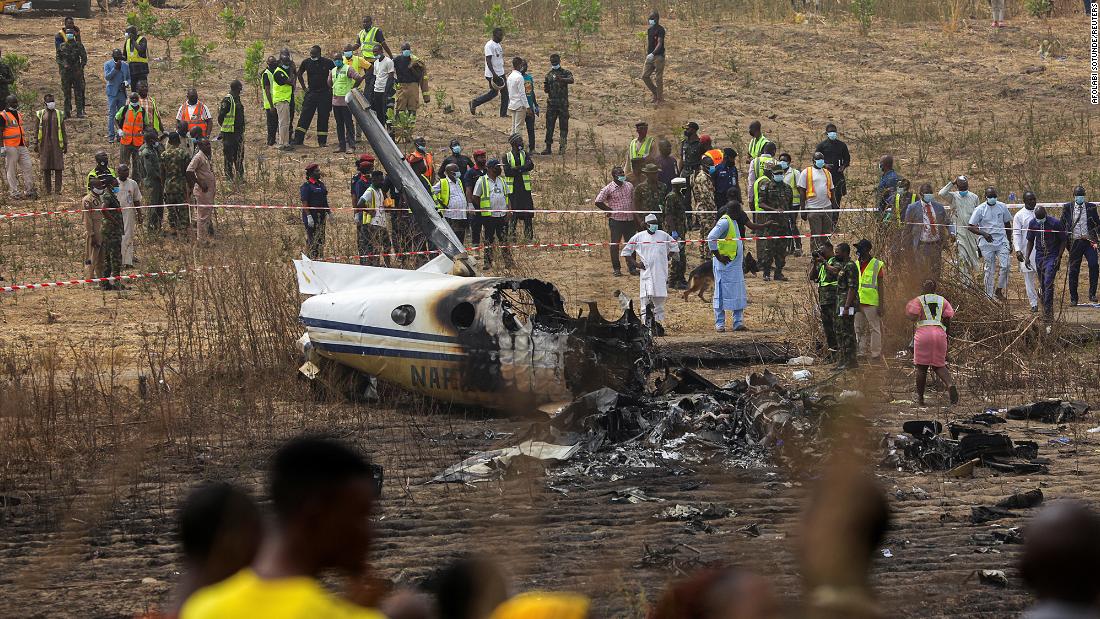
(1061, 556)
(718, 593)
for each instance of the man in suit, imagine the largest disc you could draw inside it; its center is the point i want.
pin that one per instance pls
(925, 231)
(1080, 222)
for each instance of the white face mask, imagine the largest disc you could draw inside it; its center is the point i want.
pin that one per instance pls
(52, 105)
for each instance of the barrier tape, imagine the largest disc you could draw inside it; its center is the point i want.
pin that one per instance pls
(96, 280)
(75, 211)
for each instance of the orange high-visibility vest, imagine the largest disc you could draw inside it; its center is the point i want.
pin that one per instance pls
(810, 182)
(13, 130)
(133, 126)
(197, 120)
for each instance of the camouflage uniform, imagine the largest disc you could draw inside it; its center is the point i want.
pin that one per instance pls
(774, 251)
(557, 106)
(174, 164)
(691, 153)
(847, 279)
(71, 59)
(112, 237)
(826, 298)
(648, 197)
(152, 184)
(675, 223)
(702, 199)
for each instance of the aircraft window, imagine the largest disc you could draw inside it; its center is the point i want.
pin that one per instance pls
(403, 315)
(463, 315)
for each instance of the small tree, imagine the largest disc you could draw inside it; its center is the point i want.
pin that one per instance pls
(439, 35)
(233, 23)
(144, 19)
(1039, 8)
(18, 63)
(582, 17)
(497, 17)
(166, 31)
(863, 10)
(254, 63)
(194, 57)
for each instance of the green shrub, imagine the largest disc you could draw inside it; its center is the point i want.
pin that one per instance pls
(497, 17)
(254, 63)
(581, 17)
(234, 24)
(194, 57)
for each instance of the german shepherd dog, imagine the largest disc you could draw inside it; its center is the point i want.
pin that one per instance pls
(702, 278)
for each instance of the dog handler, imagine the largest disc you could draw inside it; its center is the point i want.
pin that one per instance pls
(728, 251)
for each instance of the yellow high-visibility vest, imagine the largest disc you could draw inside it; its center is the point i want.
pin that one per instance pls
(760, 163)
(132, 53)
(640, 150)
(727, 246)
(281, 93)
(341, 83)
(756, 192)
(443, 198)
(60, 128)
(366, 42)
(823, 273)
(757, 145)
(932, 307)
(526, 175)
(868, 281)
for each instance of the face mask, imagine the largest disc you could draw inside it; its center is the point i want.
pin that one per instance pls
(819, 163)
(652, 22)
(652, 228)
(963, 192)
(51, 105)
(114, 189)
(135, 104)
(927, 198)
(991, 201)
(777, 178)
(1079, 199)
(902, 191)
(97, 191)
(419, 148)
(555, 66)
(70, 36)
(1040, 219)
(339, 62)
(711, 169)
(784, 165)
(456, 149)
(621, 179)
(406, 52)
(831, 135)
(347, 54)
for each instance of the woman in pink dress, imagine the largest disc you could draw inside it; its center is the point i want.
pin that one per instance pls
(932, 314)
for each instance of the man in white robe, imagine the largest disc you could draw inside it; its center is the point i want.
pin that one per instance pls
(649, 251)
(1020, 221)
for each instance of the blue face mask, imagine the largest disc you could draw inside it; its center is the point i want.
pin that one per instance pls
(347, 54)
(621, 179)
(963, 192)
(114, 189)
(555, 67)
(1079, 199)
(831, 135)
(991, 201)
(69, 36)
(784, 165)
(777, 178)
(339, 62)
(927, 198)
(406, 52)
(711, 169)
(420, 148)
(456, 149)
(819, 163)
(652, 22)
(652, 228)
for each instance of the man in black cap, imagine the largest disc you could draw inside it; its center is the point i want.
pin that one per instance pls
(691, 150)
(640, 147)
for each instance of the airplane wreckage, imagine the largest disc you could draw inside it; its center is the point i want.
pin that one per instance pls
(445, 332)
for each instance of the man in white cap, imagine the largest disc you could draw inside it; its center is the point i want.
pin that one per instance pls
(649, 252)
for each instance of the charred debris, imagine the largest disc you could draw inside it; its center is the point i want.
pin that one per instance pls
(682, 421)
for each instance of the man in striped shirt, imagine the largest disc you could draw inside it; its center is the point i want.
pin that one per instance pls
(617, 197)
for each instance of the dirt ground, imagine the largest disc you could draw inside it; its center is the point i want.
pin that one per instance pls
(107, 550)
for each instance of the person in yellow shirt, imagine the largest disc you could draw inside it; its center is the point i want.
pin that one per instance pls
(322, 493)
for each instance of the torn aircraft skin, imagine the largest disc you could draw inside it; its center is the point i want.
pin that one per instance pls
(487, 341)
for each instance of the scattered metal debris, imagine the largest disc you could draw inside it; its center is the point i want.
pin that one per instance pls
(1050, 411)
(972, 443)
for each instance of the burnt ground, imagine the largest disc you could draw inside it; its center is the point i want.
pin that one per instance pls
(114, 556)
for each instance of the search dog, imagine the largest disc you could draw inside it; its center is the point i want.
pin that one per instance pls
(702, 277)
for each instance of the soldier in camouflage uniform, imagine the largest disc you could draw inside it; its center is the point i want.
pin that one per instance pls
(648, 193)
(71, 59)
(675, 223)
(112, 233)
(174, 162)
(847, 295)
(774, 199)
(152, 181)
(556, 86)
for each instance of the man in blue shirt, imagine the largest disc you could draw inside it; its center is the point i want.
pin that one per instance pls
(887, 183)
(116, 72)
(1047, 238)
(724, 177)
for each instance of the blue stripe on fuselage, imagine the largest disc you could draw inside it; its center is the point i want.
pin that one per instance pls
(355, 349)
(356, 328)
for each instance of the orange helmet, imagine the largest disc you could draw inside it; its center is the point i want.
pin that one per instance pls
(715, 155)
